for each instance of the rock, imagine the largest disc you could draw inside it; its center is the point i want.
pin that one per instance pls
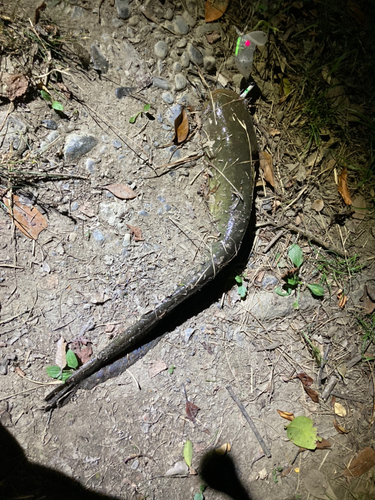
(173, 113)
(99, 61)
(191, 21)
(161, 49)
(205, 28)
(98, 236)
(180, 81)
(176, 67)
(185, 60)
(123, 9)
(90, 165)
(12, 134)
(117, 144)
(209, 64)
(195, 55)
(181, 44)
(191, 6)
(173, 55)
(117, 23)
(167, 97)
(178, 26)
(161, 83)
(168, 14)
(50, 124)
(133, 21)
(78, 145)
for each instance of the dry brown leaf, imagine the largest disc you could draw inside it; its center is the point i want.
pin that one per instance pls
(343, 187)
(339, 410)
(181, 127)
(318, 205)
(286, 414)
(213, 37)
(191, 411)
(156, 367)
(16, 85)
(312, 394)
(28, 220)
(323, 444)
(215, 9)
(223, 449)
(265, 161)
(368, 300)
(274, 132)
(305, 379)
(363, 463)
(83, 352)
(339, 428)
(60, 358)
(136, 232)
(359, 207)
(19, 372)
(121, 191)
(343, 299)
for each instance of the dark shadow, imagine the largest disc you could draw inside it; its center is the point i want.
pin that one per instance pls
(21, 479)
(219, 472)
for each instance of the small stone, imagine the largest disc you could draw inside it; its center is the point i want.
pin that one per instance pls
(173, 113)
(161, 49)
(209, 64)
(180, 81)
(168, 14)
(78, 145)
(178, 26)
(90, 165)
(127, 240)
(74, 206)
(98, 236)
(269, 282)
(123, 9)
(161, 83)
(100, 62)
(167, 207)
(143, 213)
(173, 55)
(117, 144)
(117, 23)
(207, 28)
(191, 21)
(185, 60)
(108, 260)
(167, 97)
(50, 124)
(194, 54)
(176, 67)
(181, 44)
(191, 6)
(133, 21)
(123, 91)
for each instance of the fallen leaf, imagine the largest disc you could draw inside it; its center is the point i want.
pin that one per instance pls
(323, 444)
(359, 207)
(312, 394)
(156, 367)
(215, 9)
(136, 232)
(180, 468)
(274, 132)
(368, 299)
(340, 410)
(87, 209)
(17, 85)
(28, 220)
(341, 368)
(181, 127)
(305, 379)
(19, 372)
(265, 161)
(82, 348)
(286, 415)
(342, 298)
(363, 463)
(121, 191)
(188, 452)
(191, 411)
(343, 187)
(223, 449)
(318, 205)
(213, 37)
(339, 428)
(60, 358)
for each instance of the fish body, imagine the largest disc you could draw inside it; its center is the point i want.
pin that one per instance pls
(230, 146)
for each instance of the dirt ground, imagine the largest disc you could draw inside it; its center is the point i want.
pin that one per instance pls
(87, 276)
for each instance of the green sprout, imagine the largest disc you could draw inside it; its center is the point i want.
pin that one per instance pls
(241, 287)
(63, 374)
(146, 107)
(56, 105)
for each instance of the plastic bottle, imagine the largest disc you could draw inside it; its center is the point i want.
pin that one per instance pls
(245, 49)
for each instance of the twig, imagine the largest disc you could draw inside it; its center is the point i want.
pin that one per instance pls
(250, 422)
(324, 361)
(191, 157)
(273, 241)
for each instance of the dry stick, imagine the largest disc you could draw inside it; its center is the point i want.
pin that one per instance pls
(273, 241)
(249, 421)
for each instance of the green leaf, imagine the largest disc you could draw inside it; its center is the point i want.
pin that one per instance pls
(295, 304)
(293, 281)
(45, 95)
(66, 374)
(283, 293)
(188, 452)
(57, 106)
(71, 359)
(202, 487)
(132, 119)
(171, 369)
(198, 496)
(53, 371)
(241, 290)
(146, 107)
(238, 279)
(295, 255)
(317, 290)
(302, 433)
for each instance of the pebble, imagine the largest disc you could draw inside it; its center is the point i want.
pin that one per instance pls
(167, 97)
(144, 213)
(100, 62)
(180, 81)
(117, 144)
(123, 91)
(168, 14)
(207, 28)
(185, 60)
(108, 260)
(50, 124)
(178, 26)
(269, 281)
(127, 240)
(133, 21)
(176, 67)
(209, 64)
(90, 165)
(74, 206)
(194, 54)
(78, 145)
(181, 44)
(161, 83)
(123, 9)
(117, 23)
(191, 21)
(161, 49)
(173, 113)
(98, 236)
